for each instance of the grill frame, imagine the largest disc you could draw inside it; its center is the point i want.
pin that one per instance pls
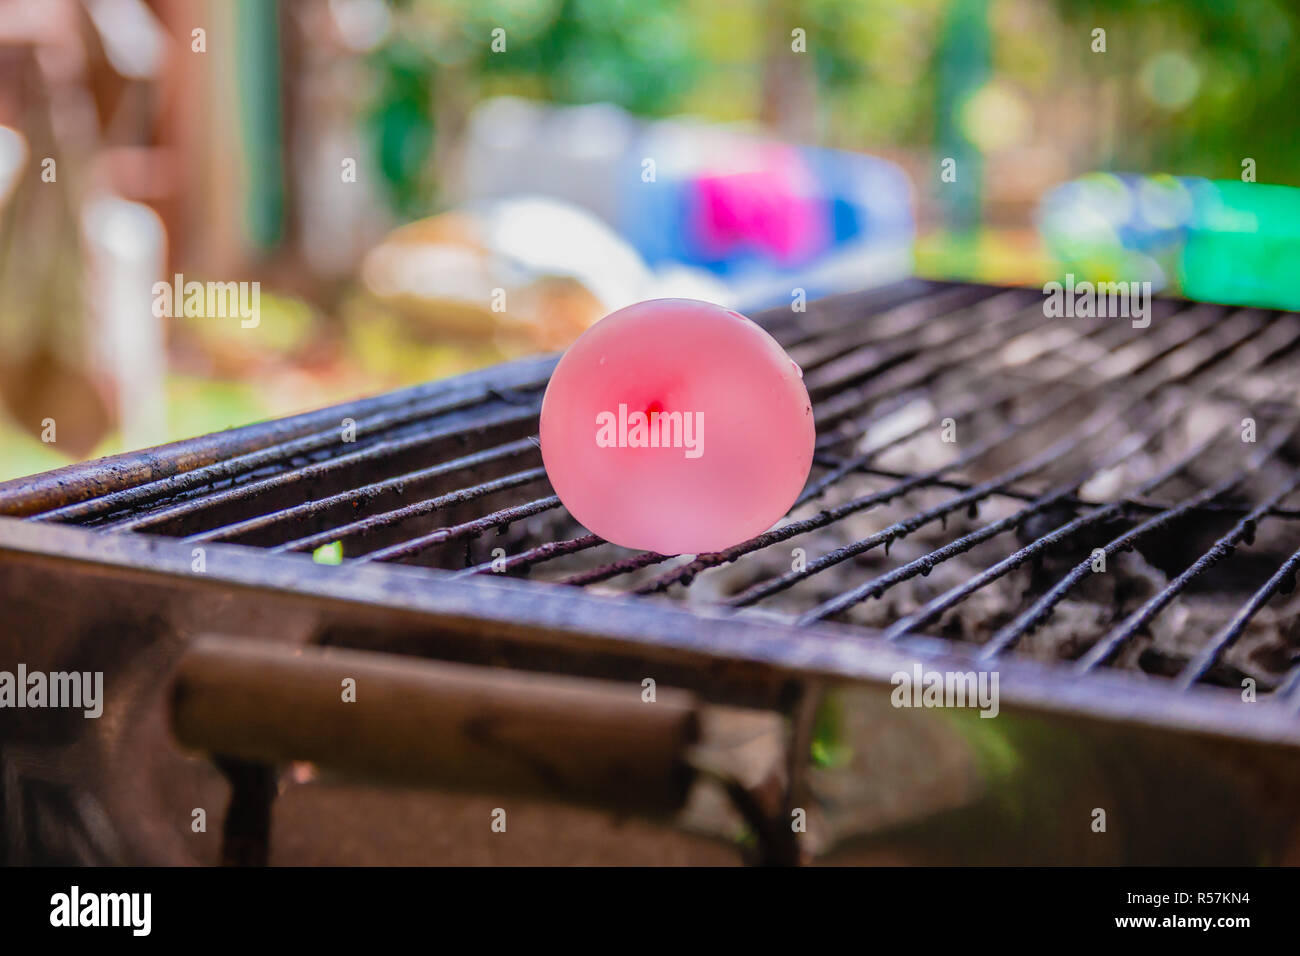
(164, 486)
(723, 658)
(150, 583)
(1186, 777)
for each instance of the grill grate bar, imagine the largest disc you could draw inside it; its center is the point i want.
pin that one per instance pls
(535, 555)
(844, 406)
(859, 379)
(622, 566)
(177, 514)
(1134, 504)
(273, 456)
(792, 328)
(916, 320)
(1283, 582)
(1244, 530)
(1042, 608)
(398, 484)
(1212, 508)
(926, 563)
(953, 596)
(388, 518)
(426, 506)
(1065, 426)
(545, 552)
(686, 573)
(469, 529)
(317, 472)
(961, 412)
(903, 626)
(629, 565)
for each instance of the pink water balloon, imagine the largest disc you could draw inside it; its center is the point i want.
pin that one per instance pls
(676, 426)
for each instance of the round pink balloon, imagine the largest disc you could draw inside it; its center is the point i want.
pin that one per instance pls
(677, 426)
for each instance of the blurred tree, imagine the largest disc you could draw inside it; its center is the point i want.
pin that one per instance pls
(962, 63)
(639, 54)
(1192, 87)
(870, 59)
(1205, 83)
(261, 117)
(399, 123)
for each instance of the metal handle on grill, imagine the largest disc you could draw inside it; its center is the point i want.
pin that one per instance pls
(415, 721)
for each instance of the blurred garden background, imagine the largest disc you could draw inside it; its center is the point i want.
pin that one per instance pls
(422, 187)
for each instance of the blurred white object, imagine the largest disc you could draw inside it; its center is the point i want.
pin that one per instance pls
(768, 220)
(516, 147)
(133, 37)
(680, 281)
(13, 158)
(125, 254)
(362, 24)
(528, 269)
(540, 236)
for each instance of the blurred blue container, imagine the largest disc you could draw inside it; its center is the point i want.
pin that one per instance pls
(1119, 226)
(1220, 241)
(765, 217)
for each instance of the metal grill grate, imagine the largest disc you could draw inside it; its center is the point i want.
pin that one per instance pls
(1075, 441)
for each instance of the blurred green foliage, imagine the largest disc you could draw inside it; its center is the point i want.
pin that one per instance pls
(331, 553)
(874, 62)
(829, 744)
(1189, 87)
(1244, 78)
(399, 123)
(639, 54)
(258, 73)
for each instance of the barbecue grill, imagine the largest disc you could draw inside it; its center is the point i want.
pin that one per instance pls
(1101, 513)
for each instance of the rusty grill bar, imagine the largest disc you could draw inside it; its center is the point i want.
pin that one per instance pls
(1044, 411)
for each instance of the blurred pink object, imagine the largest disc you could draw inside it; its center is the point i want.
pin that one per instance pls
(677, 426)
(774, 207)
